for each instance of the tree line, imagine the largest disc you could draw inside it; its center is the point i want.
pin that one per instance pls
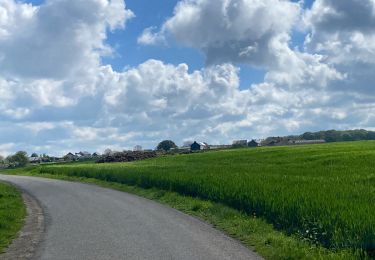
(19, 159)
(340, 136)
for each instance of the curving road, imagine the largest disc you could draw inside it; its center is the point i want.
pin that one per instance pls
(89, 222)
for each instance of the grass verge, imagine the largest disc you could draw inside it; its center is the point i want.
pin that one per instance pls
(324, 193)
(252, 231)
(12, 214)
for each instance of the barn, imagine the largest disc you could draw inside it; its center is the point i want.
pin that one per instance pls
(197, 146)
(253, 143)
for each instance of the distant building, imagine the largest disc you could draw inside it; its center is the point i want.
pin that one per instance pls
(253, 143)
(240, 143)
(198, 146)
(220, 146)
(272, 141)
(307, 141)
(70, 157)
(83, 155)
(34, 160)
(138, 148)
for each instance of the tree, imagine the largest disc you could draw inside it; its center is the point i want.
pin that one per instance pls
(309, 136)
(166, 145)
(107, 152)
(34, 155)
(19, 159)
(2, 159)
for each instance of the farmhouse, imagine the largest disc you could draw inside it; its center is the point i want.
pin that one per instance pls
(198, 146)
(35, 160)
(308, 141)
(70, 157)
(83, 155)
(253, 143)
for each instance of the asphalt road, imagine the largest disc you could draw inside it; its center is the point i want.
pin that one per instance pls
(89, 222)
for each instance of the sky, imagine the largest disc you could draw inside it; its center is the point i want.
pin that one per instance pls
(94, 74)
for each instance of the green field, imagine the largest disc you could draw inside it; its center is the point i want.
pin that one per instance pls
(12, 213)
(323, 193)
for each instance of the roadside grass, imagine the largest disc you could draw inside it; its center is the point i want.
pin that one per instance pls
(323, 195)
(253, 232)
(12, 214)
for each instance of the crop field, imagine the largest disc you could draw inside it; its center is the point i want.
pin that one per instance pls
(323, 193)
(12, 213)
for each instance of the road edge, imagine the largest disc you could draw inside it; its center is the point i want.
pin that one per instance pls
(25, 246)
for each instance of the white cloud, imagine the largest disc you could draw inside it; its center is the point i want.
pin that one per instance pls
(344, 31)
(50, 55)
(64, 38)
(56, 95)
(37, 127)
(253, 32)
(6, 149)
(148, 37)
(238, 31)
(14, 15)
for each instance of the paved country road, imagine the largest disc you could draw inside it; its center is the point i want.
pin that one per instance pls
(89, 222)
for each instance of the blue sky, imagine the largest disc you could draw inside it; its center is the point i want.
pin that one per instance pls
(92, 74)
(153, 14)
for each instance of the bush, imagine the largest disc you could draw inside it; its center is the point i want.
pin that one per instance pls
(19, 159)
(126, 156)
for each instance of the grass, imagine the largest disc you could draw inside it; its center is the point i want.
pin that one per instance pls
(252, 231)
(319, 196)
(12, 214)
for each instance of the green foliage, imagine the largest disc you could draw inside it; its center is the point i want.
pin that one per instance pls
(340, 136)
(12, 213)
(19, 159)
(250, 230)
(321, 193)
(166, 145)
(2, 159)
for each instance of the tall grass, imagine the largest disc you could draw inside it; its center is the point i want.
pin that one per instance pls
(324, 193)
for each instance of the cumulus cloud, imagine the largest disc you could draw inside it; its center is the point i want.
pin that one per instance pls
(50, 54)
(160, 99)
(149, 37)
(56, 95)
(240, 31)
(344, 32)
(61, 37)
(252, 32)
(258, 33)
